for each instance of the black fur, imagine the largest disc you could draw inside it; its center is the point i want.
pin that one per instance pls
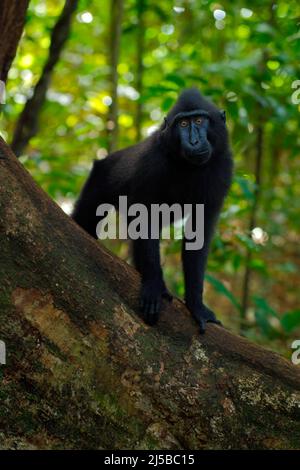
(154, 171)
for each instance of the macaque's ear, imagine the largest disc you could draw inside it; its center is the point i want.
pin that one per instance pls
(165, 125)
(223, 115)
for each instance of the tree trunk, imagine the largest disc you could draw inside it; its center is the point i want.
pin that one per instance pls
(252, 223)
(83, 370)
(27, 125)
(12, 16)
(141, 29)
(116, 16)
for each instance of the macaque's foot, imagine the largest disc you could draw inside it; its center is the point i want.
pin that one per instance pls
(204, 315)
(150, 301)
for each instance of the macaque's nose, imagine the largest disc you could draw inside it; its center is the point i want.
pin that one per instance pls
(194, 137)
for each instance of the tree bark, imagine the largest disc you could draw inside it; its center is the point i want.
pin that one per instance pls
(12, 17)
(141, 29)
(27, 125)
(84, 371)
(115, 32)
(252, 222)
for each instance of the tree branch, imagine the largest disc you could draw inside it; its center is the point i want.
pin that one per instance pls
(27, 125)
(12, 18)
(116, 16)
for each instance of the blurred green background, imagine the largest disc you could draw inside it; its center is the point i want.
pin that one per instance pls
(245, 57)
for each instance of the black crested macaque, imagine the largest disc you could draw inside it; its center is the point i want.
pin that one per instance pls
(186, 161)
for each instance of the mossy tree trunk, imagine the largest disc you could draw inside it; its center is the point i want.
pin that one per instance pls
(83, 371)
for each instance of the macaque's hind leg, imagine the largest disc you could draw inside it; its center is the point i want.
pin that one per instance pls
(194, 265)
(91, 196)
(153, 289)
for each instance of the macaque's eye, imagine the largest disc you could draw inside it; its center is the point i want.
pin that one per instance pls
(184, 123)
(198, 120)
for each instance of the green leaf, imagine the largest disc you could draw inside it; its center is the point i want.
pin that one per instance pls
(264, 324)
(246, 188)
(290, 320)
(263, 312)
(264, 306)
(222, 289)
(258, 265)
(172, 77)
